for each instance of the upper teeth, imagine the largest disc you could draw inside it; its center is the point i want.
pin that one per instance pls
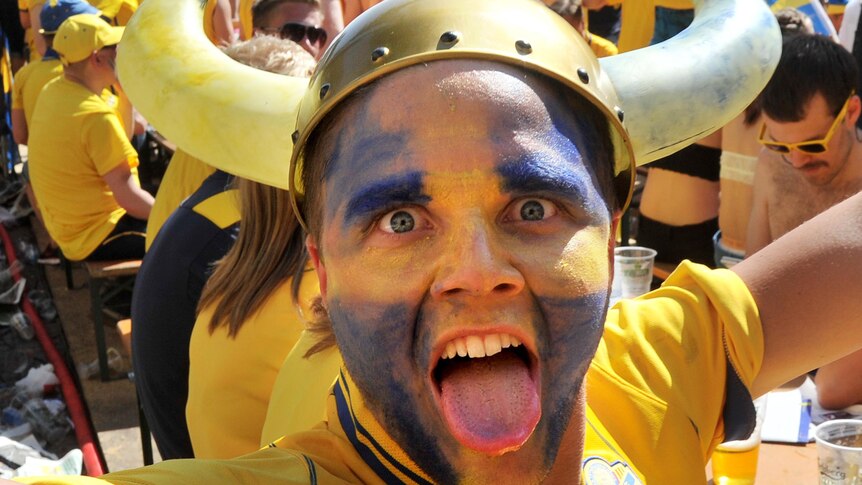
(474, 346)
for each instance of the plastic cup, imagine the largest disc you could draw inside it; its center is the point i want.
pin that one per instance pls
(632, 271)
(839, 451)
(735, 462)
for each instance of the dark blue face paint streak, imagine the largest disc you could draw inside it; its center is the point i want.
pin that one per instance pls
(376, 342)
(568, 342)
(385, 194)
(538, 173)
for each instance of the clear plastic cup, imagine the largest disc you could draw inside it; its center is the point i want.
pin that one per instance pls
(632, 271)
(839, 451)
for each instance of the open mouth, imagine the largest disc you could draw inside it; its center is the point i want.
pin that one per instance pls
(487, 388)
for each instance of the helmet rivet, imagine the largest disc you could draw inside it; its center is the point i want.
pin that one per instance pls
(583, 75)
(379, 53)
(294, 136)
(448, 39)
(620, 114)
(323, 90)
(523, 47)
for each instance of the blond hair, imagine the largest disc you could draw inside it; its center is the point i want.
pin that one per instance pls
(270, 247)
(272, 54)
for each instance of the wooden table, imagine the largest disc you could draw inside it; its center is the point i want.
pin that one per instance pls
(787, 464)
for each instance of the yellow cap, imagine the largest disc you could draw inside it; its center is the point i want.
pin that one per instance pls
(81, 35)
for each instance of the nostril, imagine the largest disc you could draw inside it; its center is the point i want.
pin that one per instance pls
(505, 288)
(452, 292)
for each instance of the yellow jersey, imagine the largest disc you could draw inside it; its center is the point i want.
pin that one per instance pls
(231, 378)
(75, 139)
(184, 175)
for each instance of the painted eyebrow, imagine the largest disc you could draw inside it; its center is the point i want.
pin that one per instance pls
(535, 173)
(403, 188)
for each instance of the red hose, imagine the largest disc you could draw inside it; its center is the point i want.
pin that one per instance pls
(93, 460)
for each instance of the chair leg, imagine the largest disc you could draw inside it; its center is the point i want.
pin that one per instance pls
(96, 308)
(146, 443)
(67, 267)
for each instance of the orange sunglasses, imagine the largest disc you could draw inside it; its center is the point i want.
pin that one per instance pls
(811, 146)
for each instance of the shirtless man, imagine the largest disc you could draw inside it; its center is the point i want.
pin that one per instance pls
(814, 157)
(813, 161)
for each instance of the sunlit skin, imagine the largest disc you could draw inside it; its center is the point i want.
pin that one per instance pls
(467, 207)
(825, 168)
(300, 12)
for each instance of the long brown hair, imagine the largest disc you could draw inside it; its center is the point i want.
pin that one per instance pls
(270, 247)
(269, 250)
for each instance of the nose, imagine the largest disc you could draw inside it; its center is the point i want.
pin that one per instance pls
(474, 264)
(313, 49)
(797, 158)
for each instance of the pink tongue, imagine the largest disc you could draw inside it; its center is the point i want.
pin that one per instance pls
(490, 404)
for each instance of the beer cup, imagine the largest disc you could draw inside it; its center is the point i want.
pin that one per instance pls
(839, 451)
(632, 271)
(735, 462)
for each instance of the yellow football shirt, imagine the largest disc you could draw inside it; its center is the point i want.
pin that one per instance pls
(231, 378)
(184, 175)
(75, 139)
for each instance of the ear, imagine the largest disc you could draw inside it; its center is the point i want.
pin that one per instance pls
(853, 111)
(314, 253)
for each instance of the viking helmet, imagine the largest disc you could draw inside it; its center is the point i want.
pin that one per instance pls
(255, 124)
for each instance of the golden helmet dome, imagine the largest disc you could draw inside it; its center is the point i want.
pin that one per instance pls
(254, 124)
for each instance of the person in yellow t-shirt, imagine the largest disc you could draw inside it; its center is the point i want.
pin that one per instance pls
(462, 237)
(30, 80)
(82, 166)
(253, 309)
(168, 289)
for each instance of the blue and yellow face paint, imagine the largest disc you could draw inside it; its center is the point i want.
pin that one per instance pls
(470, 216)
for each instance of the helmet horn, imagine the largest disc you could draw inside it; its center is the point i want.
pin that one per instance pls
(231, 116)
(689, 86)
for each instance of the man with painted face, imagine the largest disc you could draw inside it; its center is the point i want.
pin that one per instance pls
(461, 183)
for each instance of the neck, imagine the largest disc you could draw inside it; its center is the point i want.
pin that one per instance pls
(567, 466)
(849, 180)
(92, 83)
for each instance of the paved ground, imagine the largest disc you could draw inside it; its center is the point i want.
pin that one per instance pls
(112, 404)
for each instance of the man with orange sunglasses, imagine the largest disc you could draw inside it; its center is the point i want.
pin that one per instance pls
(812, 161)
(813, 154)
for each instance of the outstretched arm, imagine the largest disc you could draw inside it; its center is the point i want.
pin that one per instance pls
(807, 286)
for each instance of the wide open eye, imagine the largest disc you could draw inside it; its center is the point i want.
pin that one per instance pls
(397, 222)
(533, 210)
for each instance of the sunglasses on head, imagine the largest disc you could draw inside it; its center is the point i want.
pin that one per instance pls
(811, 146)
(297, 32)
